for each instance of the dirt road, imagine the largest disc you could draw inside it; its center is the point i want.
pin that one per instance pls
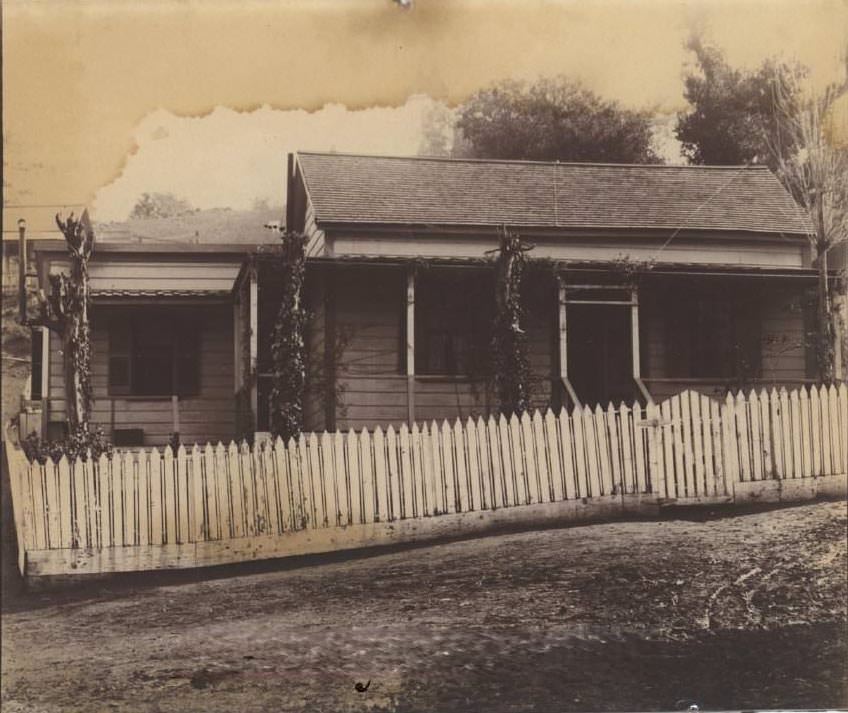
(735, 611)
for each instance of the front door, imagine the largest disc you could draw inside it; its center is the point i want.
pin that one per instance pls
(600, 364)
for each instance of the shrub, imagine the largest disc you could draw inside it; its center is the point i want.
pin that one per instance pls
(79, 444)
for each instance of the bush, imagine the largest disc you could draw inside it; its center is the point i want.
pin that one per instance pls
(78, 445)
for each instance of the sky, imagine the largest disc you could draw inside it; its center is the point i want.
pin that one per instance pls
(203, 99)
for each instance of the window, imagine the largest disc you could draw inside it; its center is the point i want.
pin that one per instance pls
(452, 324)
(714, 335)
(153, 356)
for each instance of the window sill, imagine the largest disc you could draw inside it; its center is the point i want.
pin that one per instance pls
(450, 378)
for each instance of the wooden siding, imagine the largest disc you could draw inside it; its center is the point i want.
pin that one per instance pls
(135, 273)
(208, 416)
(783, 353)
(369, 344)
(730, 251)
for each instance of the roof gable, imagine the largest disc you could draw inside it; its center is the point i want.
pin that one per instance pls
(352, 189)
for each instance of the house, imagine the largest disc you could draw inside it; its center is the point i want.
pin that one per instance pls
(645, 280)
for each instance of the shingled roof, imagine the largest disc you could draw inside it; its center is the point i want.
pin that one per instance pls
(352, 189)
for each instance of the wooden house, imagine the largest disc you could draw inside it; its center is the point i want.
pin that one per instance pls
(643, 281)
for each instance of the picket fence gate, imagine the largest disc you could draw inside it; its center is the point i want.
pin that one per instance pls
(216, 503)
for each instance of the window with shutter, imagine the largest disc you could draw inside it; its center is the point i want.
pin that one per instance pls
(154, 356)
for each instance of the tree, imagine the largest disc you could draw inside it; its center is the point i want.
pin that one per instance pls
(813, 165)
(731, 110)
(65, 311)
(288, 345)
(160, 205)
(510, 363)
(553, 120)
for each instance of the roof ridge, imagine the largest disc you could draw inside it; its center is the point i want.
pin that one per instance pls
(450, 159)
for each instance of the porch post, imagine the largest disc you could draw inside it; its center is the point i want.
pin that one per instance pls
(634, 336)
(253, 316)
(563, 342)
(410, 344)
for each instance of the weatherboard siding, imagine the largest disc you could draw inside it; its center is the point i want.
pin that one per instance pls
(729, 251)
(209, 416)
(370, 366)
(135, 274)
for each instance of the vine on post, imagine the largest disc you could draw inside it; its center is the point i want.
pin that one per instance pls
(510, 365)
(288, 346)
(65, 311)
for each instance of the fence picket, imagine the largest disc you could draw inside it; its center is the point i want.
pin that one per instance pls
(493, 430)
(593, 471)
(473, 454)
(380, 476)
(352, 445)
(806, 436)
(555, 456)
(786, 433)
(318, 513)
(342, 480)
(366, 470)
(449, 470)
(92, 508)
(436, 481)
(417, 470)
(718, 483)
(155, 481)
(393, 472)
(225, 501)
(837, 437)
(731, 441)
(635, 417)
(580, 457)
(182, 488)
(293, 462)
(260, 489)
(528, 448)
(667, 436)
(197, 524)
(507, 466)
(756, 436)
(686, 435)
(697, 449)
(211, 493)
(626, 432)
(742, 431)
(518, 491)
(602, 444)
(236, 490)
(484, 487)
(272, 484)
(248, 488)
(24, 492)
(460, 453)
(656, 460)
(797, 458)
(35, 475)
(766, 444)
(129, 488)
(843, 422)
(329, 496)
(54, 527)
(616, 449)
(143, 496)
(80, 518)
(287, 520)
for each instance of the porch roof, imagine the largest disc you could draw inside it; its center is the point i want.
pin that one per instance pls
(390, 190)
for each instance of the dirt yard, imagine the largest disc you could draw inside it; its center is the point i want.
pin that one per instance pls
(729, 612)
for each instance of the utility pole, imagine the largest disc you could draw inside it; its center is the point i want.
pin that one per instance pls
(22, 271)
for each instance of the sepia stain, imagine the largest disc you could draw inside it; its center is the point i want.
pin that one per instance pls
(79, 75)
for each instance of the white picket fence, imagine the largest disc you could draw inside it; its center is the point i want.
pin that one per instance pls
(214, 504)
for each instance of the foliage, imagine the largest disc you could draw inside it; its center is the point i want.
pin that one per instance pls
(160, 205)
(553, 119)
(814, 168)
(288, 358)
(510, 364)
(65, 311)
(731, 112)
(82, 443)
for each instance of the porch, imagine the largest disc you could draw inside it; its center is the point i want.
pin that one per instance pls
(394, 341)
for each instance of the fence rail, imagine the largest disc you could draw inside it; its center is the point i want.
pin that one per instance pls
(333, 490)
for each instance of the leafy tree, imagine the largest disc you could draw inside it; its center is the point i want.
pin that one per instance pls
(552, 120)
(813, 166)
(732, 111)
(160, 205)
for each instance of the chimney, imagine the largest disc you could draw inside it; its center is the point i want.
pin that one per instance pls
(22, 271)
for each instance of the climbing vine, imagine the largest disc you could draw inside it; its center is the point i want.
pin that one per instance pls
(510, 365)
(288, 346)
